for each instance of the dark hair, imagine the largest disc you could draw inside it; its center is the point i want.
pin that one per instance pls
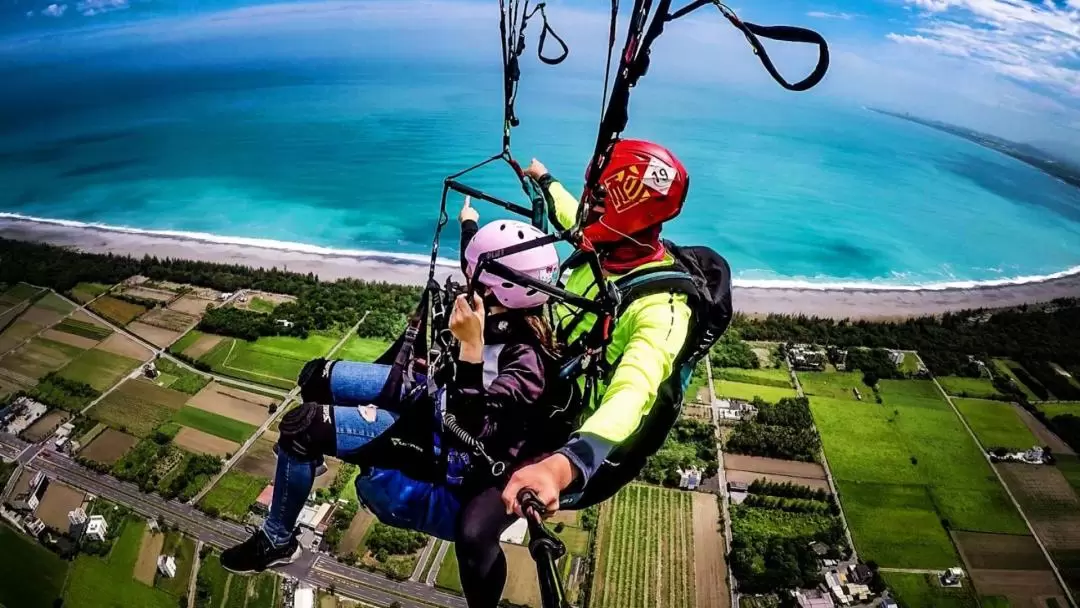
(542, 331)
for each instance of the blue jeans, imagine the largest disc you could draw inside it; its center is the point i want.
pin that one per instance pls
(351, 384)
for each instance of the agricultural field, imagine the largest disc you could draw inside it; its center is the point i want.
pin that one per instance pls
(117, 311)
(158, 336)
(996, 424)
(354, 534)
(198, 442)
(38, 357)
(143, 292)
(179, 378)
(765, 377)
(84, 292)
(1016, 371)
(645, 551)
(215, 578)
(233, 494)
(740, 467)
(904, 468)
(235, 403)
(747, 392)
(109, 581)
(146, 565)
(33, 575)
(1053, 508)
(271, 360)
(44, 312)
(975, 388)
(108, 447)
(84, 329)
(169, 319)
(191, 304)
(259, 460)
(99, 368)
(138, 406)
(55, 303)
(710, 565)
(214, 424)
(361, 349)
(182, 549)
(923, 591)
(16, 294)
(1060, 408)
(834, 385)
(15, 334)
(45, 426)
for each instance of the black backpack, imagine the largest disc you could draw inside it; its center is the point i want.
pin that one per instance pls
(705, 277)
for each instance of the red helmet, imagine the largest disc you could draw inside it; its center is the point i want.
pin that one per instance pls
(644, 186)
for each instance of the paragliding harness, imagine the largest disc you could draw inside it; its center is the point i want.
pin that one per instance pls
(700, 273)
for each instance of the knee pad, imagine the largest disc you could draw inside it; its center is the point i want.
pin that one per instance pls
(314, 381)
(308, 432)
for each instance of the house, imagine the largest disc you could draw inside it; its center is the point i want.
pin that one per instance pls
(65, 430)
(97, 528)
(166, 565)
(262, 503)
(860, 573)
(689, 479)
(223, 297)
(77, 517)
(28, 496)
(807, 358)
(738, 486)
(896, 356)
(284, 322)
(813, 598)
(951, 577)
(150, 370)
(316, 517)
(36, 526)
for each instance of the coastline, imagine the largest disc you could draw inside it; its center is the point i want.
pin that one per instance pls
(842, 302)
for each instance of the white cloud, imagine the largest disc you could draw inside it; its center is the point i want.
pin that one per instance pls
(841, 16)
(90, 8)
(54, 10)
(1032, 42)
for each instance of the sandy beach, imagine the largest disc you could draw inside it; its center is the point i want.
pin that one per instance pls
(875, 303)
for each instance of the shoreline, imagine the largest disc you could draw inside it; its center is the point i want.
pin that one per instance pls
(854, 302)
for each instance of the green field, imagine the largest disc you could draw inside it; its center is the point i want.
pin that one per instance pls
(449, 577)
(996, 424)
(902, 467)
(84, 292)
(84, 329)
(910, 364)
(216, 578)
(923, 591)
(180, 378)
(1060, 408)
(261, 305)
(215, 424)
(185, 341)
(97, 582)
(834, 385)
(40, 356)
(1005, 366)
(183, 549)
(17, 293)
(765, 377)
(264, 591)
(55, 303)
(361, 349)
(32, 575)
(138, 406)
(976, 388)
(272, 360)
(233, 494)
(98, 368)
(747, 392)
(645, 550)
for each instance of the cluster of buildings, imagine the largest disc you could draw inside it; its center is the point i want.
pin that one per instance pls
(314, 518)
(732, 410)
(1036, 455)
(807, 357)
(843, 587)
(17, 416)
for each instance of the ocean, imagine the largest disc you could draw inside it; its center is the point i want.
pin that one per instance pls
(347, 151)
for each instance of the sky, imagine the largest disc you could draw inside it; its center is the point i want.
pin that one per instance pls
(1008, 67)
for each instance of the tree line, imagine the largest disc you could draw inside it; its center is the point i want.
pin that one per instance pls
(1039, 333)
(777, 431)
(691, 443)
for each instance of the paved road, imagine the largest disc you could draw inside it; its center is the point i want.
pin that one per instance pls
(433, 573)
(315, 569)
(425, 555)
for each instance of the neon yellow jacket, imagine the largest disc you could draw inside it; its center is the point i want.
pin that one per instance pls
(647, 337)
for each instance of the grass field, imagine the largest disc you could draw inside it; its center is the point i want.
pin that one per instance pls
(765, 377)
(1060, 408)
(1006, 366)
(747, 392)
(910, 364)
(38, 357)
(139, 406)
(233, 494)
(216, 577)
(33, 575)
(834, 385)
(904, 466)
(996, 424)
(117, 311)
(96, 582)
(84, 329)
(261, 305)
(55, 303)
(264, 591)
(1070, 467)
(361, 349)
(976, 388)
(185, 341)
(98, 368)
(183, 549)
(449, 576)
(215, 424)
(273, 360)
(923, 591)
(645, 552)
(84, 292)
(180, 378)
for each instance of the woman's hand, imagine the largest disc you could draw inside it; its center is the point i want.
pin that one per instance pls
(467, 325)
(536, 169)
(467, 212)
(547, 479)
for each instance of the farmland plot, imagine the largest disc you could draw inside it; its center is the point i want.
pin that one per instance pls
(996, 424)
(138, 406)
(108, 447)
(117, 311)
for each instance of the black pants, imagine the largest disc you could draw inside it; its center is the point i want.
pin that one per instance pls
(481, 562)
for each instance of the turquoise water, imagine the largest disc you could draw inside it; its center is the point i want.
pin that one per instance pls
(348, 152)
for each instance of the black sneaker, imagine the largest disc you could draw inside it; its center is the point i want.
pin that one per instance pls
(257, 554)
